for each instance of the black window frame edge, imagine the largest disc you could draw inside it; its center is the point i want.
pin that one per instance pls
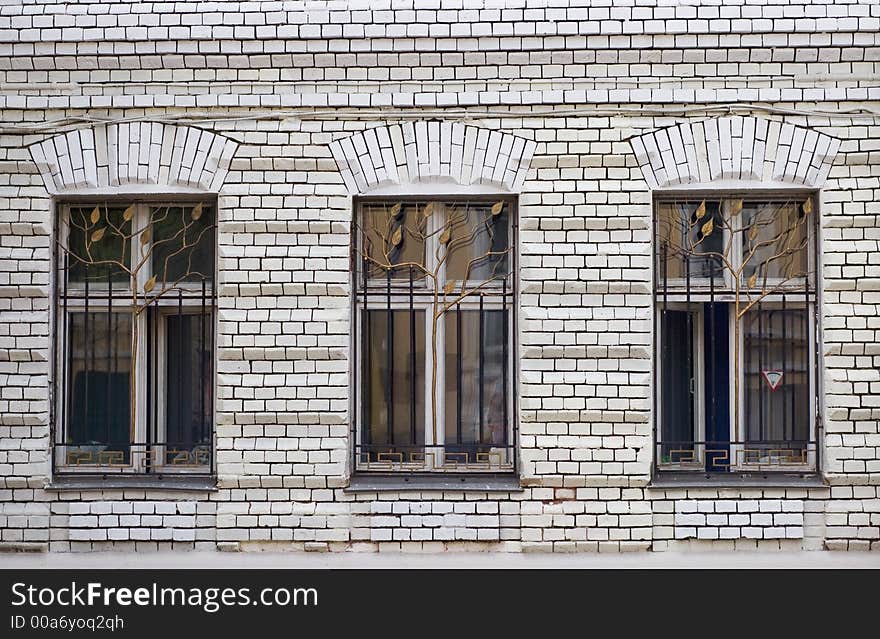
(60, 480)
(810, 478)
(480, 481)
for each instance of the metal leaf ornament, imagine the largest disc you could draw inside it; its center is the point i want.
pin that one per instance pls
(96, 215)
(128, 213)
(428, 210)
(397, 236)
(98, 235)
(497, 208)
(708, 227)
(396, 210)
(806, 207)
(445, 236)
(753, 233)
(753, 280)
(145, 236)
(449, 287)
(701, 210)
(196, 212)
(736, 207)
(150, 284)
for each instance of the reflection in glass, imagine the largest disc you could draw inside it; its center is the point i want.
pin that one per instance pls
(475, 394)
(98, 379)
(183, 247)
(775, 342)
(189, 392)
(678, 386)
(93, 246)
(681, 238)
(393, 384)
(394, 233)
(774, 242)
(478, 242)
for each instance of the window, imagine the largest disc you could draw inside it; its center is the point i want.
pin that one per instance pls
(434, 335)
(134, 335)
(735, 292)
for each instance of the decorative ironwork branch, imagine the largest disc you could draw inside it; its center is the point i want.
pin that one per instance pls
(98, 229)
(686, 237)
(383, 242)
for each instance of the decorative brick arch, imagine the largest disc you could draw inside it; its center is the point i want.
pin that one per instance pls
(735, 148)
(426, 152)
(141, 155)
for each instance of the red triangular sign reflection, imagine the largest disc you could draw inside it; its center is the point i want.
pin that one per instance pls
(773, 378)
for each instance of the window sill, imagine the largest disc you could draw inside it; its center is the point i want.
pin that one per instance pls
(744, 480)
(90, 482)
(458, 483)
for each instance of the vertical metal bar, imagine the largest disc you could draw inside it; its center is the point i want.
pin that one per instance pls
(514, 220)
(56, 391)
(202, 367)
(389, 360)
(482, 356)
(664, 316)
(808, 352)
(458, 383)
(355, 267)
(761, 434)
(412, 362)
(747, 370)
(68, 352)
(784, 368)
(689, 318)
(211, 427)
(504, 338)
(792, 366)
(654, 344)
(86, 342)
(368, 368)
(148, 428)
(711, 346)
(109, 351)
(178, 409)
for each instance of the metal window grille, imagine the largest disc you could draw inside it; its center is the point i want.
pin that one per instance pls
(736, 324)
(133, 372)
(434, 383)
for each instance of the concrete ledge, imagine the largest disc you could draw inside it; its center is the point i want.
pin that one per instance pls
(189, 484)
(750, 480)
(449, 483)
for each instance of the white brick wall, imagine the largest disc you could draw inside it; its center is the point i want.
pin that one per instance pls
(286, 112)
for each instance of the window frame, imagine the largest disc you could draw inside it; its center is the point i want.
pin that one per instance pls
(400, 301)
(140, 463)
(812, 305)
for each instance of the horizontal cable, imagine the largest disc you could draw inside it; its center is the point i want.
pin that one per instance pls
(452, 114)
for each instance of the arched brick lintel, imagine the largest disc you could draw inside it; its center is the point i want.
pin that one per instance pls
(138, 155)
(740, 148)
(432, 151)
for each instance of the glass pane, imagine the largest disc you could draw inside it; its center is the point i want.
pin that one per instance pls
(394, 233)
(774, 242)
(393, 386)
(98, 428)
(682, 245)
(98, 249)
(189, 390)
(475, 393)
(479, 241)
(183, 242)
(678, 383)
(777, 382)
